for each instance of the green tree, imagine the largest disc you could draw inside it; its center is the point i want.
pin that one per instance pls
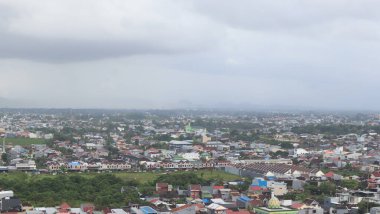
(5, 158)
(365, 206)
(349, 184)
(327, 188)
(296, 196)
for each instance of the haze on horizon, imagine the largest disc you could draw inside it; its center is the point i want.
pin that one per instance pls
(184, 53)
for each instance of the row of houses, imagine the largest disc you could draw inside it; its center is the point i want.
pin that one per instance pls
(185, 165)
(120, 166)
(213, 164)
(83, 166)
(272, 170)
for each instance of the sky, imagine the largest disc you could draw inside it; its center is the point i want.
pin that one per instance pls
(162, 54)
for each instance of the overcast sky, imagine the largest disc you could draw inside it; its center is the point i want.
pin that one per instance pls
(173, 54)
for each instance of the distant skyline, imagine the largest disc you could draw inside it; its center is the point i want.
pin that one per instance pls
(162, 54)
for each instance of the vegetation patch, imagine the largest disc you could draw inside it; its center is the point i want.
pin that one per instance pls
(24, 141)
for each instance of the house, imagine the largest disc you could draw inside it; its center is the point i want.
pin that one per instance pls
(243, 202)
(260, 182)
(339, 209)
(186, 209)
(152, 153)
(76, 166)
(179, 145)
(225, 194)
(234, 195)
(10, 204)
(255, 190)
(190, 156)
(43, 210)
(272, 170)
(163, 187)
(237, 212)
(311, 202)
(118, 211)
(332, 176)
(278, 188)
(148, 210)
(375, 175)
(87, 207)
(311, 210)
(64, 207)
(216, 209)
(26, 165)
(215, 189)
(195, 191)
(298, 206)
(77, 211)
(375, 210)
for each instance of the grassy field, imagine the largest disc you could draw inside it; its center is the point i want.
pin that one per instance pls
(142, 177)
(24, 141)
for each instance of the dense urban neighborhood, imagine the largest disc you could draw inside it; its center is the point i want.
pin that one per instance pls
(189, 161)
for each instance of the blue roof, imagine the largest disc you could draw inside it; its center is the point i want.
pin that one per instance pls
(245, 198)
(259, 182)
(206, 200)
(147, 210)
(74, 163)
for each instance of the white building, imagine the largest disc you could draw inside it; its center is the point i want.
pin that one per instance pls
(190, 156)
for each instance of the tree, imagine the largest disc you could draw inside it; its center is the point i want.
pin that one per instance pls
(221, 158)
(350, 184)
(5, 158)
(181, 180)
(296, 196)
(365, 206)
(243, 186)
(147, 190)
(41, 162)
(327, 188)
(280, 154)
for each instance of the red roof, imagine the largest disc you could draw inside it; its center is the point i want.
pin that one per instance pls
(195, 187)
(107, 210)
(162, 185)
(64, 206)
(255, 188)
(238, 212)
(329, 174)
(199, 206)
(154, 200)
(376, 174)
(297, 205)
(256, 202)
(153, 150)
(218, 187)
(371, 180)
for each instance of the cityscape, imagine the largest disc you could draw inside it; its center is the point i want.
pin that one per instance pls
(188, 161)
(189, 107)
